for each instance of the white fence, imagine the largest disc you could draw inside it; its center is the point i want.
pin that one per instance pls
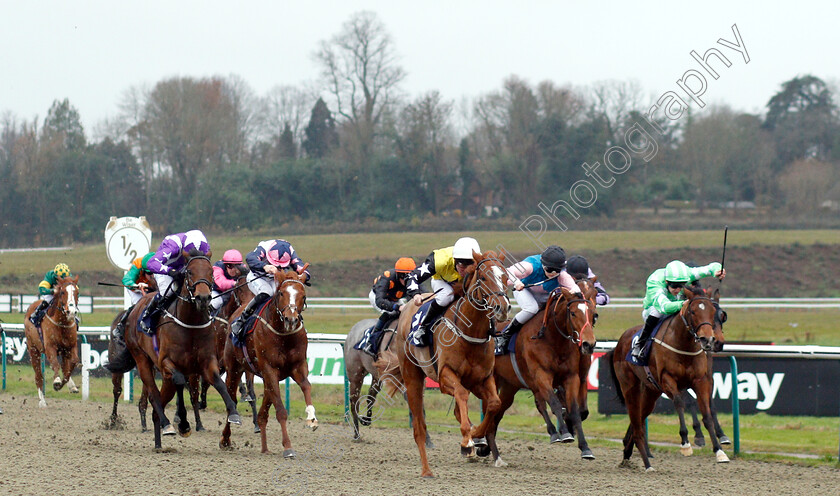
(19, 303)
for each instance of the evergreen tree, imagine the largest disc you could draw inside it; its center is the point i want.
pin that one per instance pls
(321, 135)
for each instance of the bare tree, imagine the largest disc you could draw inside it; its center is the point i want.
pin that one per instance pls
(360, 70)
(287, 105)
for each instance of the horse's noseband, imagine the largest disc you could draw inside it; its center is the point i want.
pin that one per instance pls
(190, 285)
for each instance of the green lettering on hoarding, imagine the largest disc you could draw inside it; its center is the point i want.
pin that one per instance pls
(329, 369)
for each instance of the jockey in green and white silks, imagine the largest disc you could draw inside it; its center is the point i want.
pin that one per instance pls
(664, 295)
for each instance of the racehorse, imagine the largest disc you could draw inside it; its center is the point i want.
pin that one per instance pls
(276, 350)
(240, 295)
(552, 350)
(143, 403)
(183, 345)
(463, 360)
(677, 362)
(56, 337)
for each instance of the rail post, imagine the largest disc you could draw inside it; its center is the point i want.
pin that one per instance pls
(736, 407)
(3, 351)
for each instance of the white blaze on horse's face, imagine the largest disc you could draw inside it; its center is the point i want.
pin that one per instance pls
(583, 308)
(71, 300)
(292, 292)
(498, 273)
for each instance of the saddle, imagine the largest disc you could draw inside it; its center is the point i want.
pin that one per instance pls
(426, 339)
(643, 361)
(249, 326)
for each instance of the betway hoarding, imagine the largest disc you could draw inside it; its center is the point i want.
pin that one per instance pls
(777, 386)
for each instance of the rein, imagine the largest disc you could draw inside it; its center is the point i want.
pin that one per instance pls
(188, 280)
(692, 330)
(575, 337)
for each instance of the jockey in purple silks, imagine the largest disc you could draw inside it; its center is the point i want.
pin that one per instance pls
(166, 266)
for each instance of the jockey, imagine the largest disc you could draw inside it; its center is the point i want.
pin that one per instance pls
(388, 289)
(664, 296)
(578, 268)
(46, 290)
(533, 279)
(166, 265)
(445, 266)
(136, 280)
(225, 273)
(264, 262)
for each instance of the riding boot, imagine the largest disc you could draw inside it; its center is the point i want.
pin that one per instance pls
(38, 315)
(639, 347)
(504, 339)
(237, 325)
(370, 346)
(119, 330)
(153, 311)
(423, 333)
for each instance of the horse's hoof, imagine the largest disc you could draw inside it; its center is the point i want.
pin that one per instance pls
(74, 390)
(686, 450)
(168, 430)
(312, 424)
(289, 454)
(724, 440)
(699, 442)
(199, 428)
(42, 404)
(430, 444)
(468, 451)
(247, 398)
(479, 442)
(234, 419)
(626, 463)
(365, 421)
(650, 469)
(721, 457)
(256, 429)
(499, 463)
(586, 454)
(184, 433)
(482, 451)
(57, 384)
(555, 438)
(427, 475)
(567, 438)
(202, 405)
(357, 437)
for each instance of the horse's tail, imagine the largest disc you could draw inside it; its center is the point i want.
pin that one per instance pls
(388, 366)
(618, 394)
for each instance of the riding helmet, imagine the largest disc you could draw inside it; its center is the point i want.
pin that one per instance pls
(62, 270)
(676, 271)
(577, 265)
(553, 257)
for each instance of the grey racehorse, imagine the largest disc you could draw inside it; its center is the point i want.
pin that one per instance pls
(358, 365)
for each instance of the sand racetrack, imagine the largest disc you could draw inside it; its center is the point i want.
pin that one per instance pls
(65, 450)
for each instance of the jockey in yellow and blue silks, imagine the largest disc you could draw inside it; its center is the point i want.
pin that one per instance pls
(266, 259)
(664, 295)
(445, 267)
(533, 279)
(46, 290)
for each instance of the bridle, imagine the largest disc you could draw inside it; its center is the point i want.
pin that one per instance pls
(693, 330)
(482, 305)
(62, 308)
(188, 282)
(279, 311)
(575, 336)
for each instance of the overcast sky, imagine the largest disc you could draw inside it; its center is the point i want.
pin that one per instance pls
(92, 51)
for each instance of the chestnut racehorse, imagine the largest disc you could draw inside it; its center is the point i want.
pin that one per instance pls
(463, 361)
(275, 350)
(556, 359)
(184, 344)
(240, 295)
(677, 361)
(56, 337)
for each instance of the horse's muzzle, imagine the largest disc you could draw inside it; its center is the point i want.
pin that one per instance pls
(587, 348)
(202, 302)
(706, 343)
(718, 346)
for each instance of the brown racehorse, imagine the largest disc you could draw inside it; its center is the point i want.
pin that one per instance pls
(116, 382)
(463, 361)
(183, 345)
(240, 295)
(677, 361)
(554, 360)
(56, 337)
(276, 350)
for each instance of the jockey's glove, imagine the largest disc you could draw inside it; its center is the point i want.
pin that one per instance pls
(172, 273)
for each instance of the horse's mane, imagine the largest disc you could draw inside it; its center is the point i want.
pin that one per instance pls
(195, 253)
